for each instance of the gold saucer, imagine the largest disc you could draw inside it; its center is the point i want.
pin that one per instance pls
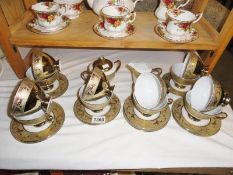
(145, 125)
(62, 87)
(167, 77)
(210, 129)
(21, 134)
(83, 116)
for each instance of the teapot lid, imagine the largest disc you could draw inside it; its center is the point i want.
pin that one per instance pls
(103, 64)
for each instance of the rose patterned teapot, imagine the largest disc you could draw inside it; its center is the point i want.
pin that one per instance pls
(164, 5)
(97, 5)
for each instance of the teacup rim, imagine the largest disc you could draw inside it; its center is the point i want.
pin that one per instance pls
(169, 12)
(57, 1)
(110, 16)
(41, 11)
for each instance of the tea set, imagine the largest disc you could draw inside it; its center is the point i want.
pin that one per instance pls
(96, 101)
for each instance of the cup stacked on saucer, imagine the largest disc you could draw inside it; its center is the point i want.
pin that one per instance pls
(183, 75)
(34, 116)
(179, 26)
(45, 70)
(116, 22)
(48, 19)
(147, 108)
(97, 103)
(70, 8)
(200, 111)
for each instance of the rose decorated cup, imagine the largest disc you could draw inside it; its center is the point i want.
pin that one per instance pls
(70, 8)
(180, 21)
(116, 18)
(47, 14)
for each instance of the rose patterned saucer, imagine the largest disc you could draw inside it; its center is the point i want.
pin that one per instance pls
(101, 31)
(33, 26)
(190, 35)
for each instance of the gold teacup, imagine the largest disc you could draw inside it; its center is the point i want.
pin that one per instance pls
(45, 69)
(26, 99)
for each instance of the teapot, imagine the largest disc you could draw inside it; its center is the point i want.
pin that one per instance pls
(97, 5)
(164, 5)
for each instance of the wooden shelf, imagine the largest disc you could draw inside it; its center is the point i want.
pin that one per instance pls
(80, 35)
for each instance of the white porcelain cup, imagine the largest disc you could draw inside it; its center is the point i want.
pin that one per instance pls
(201, 93)
(116, 18)
(47, 14)
(71, 8)
(147, 90)
(179, 21)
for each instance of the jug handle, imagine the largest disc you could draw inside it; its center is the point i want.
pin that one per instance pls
(131, 15)
(158, 71)
(135, 2)
(118, 62)
(182, 5)
(199, 15)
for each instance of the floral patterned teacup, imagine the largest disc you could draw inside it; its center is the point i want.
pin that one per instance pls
(70, 8)
(47, 14)
(179, 21)
(116, 18)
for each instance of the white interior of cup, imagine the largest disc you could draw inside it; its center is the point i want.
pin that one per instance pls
(201, 93)
(42, 7)
(143, 117)
(147, 91)
(184, 15)
(141, 67)
(115, 11)
(178, 69)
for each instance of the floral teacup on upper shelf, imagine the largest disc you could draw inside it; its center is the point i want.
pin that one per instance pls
(70, 8)
(47, 14)
(180, 21)
(116, 18)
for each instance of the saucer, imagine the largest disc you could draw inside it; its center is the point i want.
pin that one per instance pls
(145, 125)
(20, 133)
(85, 117)
(211, 128)
(61, 87)
(33, 26)
(101, 31)
(171, 88)
(189, 36)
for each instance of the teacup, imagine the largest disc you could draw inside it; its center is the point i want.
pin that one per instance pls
(180, 21)
(149, 93)
(28, 97)
(71, 8)
(94, 105)
(47, 14)
(116, 18)
(194, 67)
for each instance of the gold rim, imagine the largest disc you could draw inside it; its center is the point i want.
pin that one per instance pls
(145, 125)
(191, 66)
(210, 129)
(182, 81)
(21, 134)
(83, 116)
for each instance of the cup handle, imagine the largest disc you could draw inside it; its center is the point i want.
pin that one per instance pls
(118, 62)
(85, 75)
(157, 71)
(198, 16)
(222, 115)
(131, 17)
(184, 4)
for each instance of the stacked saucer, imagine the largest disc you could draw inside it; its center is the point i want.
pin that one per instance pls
(147, 108)
(200, 112)
(34, 116)
(45, 70)
(96, 103)
(183, 75)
